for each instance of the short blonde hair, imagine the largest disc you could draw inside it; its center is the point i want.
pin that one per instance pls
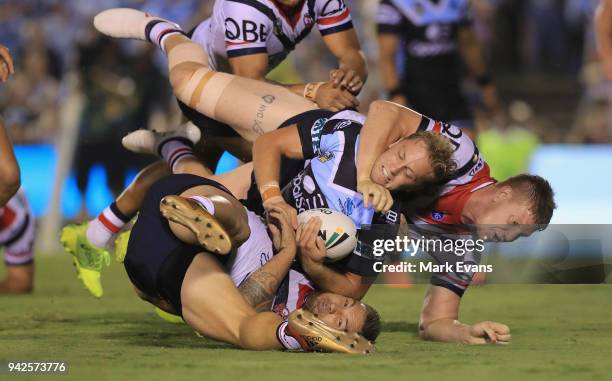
(440, 154)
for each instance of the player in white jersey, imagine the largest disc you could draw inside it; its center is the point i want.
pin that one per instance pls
(251, 37)
(17, 233)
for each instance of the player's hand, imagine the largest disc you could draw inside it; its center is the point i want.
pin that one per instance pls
(348, 79)
(278, 202)
(310, 245)
(6, 63)
(375, 195)
(283, 234)
(489, 332)
(334, 99)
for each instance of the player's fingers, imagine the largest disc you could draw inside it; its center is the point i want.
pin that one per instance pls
(375, 197)
(320, 243)
(492, 336)
(298, 233)
(500, 328)
(348, 77)
(366, 197)
(503, 338)
(388, 203)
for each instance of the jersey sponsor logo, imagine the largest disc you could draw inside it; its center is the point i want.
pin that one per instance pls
(331, 7)
(315, 133)
(309, 184)
(347, 206)
(392, 217)
(308, 21)
(438, 32)
(303, 201)
(325, 157)
(437, 216)
(342, 125)
(248, 31)
(477, 167)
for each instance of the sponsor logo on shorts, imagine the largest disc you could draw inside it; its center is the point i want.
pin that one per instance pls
(438, 216)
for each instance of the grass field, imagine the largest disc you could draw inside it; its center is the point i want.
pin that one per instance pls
(559, 332)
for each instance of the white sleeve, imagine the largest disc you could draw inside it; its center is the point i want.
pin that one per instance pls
(246, 29)
(332, 16)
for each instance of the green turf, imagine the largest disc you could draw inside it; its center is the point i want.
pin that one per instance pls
(560, 333)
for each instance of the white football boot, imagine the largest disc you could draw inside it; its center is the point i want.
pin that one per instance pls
(149, 141)
(127, 23)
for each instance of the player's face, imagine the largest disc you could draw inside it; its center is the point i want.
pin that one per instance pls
(338, 311)
(506, 219)
(404, 165)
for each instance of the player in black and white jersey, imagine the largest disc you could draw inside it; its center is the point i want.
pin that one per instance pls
(435, 39)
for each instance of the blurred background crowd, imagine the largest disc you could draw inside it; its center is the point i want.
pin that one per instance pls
(71, 84)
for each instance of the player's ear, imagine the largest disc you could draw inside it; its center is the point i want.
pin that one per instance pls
(504, 193)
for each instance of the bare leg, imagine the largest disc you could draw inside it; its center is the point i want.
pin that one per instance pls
(130, 200)
(251, 107)
(19, 280)
(214, 307)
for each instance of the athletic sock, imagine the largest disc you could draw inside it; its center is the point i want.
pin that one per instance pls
(158, 30)
(205, 202)
(285, 338)
(175, 150)
(102, 228)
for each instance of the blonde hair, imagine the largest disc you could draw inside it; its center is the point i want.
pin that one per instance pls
(440, 153)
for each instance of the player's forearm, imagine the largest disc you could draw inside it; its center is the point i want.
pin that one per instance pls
(330, 280)
(266, 161)
(472, 54)
(445, 330)
(379, 132)
(354, 60)
(259, 289)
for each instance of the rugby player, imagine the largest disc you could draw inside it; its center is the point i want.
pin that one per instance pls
(186, 227)
(16, 220)
(264, 107)
(494, 211)
(249, 38)
(435, 38)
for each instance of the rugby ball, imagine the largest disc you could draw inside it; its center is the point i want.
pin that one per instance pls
(337, 231)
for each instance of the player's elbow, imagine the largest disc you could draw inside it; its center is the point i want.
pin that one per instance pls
(11, 179)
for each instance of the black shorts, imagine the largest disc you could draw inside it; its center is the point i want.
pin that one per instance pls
(156, 261)
(289, 167)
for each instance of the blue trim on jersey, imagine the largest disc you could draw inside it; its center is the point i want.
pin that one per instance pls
(246, 52)
(336, 29)
(424, 12)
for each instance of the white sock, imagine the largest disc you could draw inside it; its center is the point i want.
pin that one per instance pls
(175, 150)
(205, 202)
(286, 340)
(161, 30)
(104, 227)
